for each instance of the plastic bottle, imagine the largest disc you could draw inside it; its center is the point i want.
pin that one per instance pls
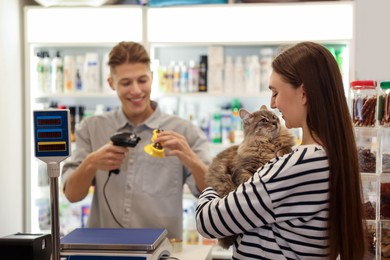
(79, 73)
(266, 56)
(226, 125)
(105, 74)
(176, 77)
(247, 75)
(91, 80)
(216, 128)
(384, 104)
(39, 71)
(228, 77)
(69, 74)
(254, 75)
(203, 74)
(183, 78)
(162, 79)
(237, 134)
(191, 236)
(169, 77)
(46, 72)
(239, 79)
(193, 77)
(57, 74)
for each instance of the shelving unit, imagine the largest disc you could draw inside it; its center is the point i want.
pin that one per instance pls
(240, 30)
(71, 31)
(373, 142)
(175, 33)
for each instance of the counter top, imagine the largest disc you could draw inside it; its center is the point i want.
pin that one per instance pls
(200, 252)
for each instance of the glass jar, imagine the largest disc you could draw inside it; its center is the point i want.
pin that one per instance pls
(384, 104)
(385, 198)
(385, 148)
(370, 193)
(367, 144)
(364, 99)
(384, 240)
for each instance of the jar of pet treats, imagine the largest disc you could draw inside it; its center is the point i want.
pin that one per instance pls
(367, 145)
(364, 99)
(384, 104)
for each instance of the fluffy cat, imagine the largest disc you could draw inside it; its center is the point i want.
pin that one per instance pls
(264, 138)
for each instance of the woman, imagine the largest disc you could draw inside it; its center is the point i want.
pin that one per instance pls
(307, 204)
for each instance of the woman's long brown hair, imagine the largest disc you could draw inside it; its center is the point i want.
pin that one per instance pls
(312, 65)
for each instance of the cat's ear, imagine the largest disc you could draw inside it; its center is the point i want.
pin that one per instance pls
(263, 107)
(245, 116)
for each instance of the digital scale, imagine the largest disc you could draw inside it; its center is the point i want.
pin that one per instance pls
(52, 145)
(116, 244)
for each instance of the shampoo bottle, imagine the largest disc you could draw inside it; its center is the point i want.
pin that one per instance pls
(69, 74)
(57, 74)
(203, 74)
(228, 78)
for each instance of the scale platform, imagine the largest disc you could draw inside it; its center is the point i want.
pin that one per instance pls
(115, 244)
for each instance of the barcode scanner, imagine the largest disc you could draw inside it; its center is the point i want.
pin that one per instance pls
(125, 140)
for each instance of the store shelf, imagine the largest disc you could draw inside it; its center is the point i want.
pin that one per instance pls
(240, 29)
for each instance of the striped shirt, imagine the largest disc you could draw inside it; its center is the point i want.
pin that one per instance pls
(280, 213)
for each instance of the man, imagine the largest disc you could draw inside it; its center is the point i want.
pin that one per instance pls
(148, 191)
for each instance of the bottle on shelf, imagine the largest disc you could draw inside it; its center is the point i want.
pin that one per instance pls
(226, 125)
(191, 235)
(228, 84)
(247, 75)
(169, 77)
(384, 104)
(69, 74)
(57, 74)
(237, 133)
(47, 72)
(105, 74)
(203, 73)
(39, 72)
(176, 77)
(162, 79)
(193, 77)
(91, 81)
(183, 78)
(216, 128)
(266, 57)
(79, 73)
(239, 76)
(253, 74)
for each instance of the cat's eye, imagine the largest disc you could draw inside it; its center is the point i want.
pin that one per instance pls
(264, 120)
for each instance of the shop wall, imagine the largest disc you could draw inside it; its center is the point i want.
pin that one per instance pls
(372, 41)
(11, 109)
(372, 61)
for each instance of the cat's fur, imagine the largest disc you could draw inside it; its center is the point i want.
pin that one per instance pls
(264, 138)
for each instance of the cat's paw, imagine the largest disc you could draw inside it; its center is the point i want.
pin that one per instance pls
(226, 242)
(283, 151)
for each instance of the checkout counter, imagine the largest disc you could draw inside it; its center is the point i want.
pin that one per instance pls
(201, 252)
(138, 243)
(90, 243)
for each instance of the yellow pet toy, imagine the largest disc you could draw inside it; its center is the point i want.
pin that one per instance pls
(155, 149)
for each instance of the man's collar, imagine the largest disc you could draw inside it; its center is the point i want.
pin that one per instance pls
(152, 122)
